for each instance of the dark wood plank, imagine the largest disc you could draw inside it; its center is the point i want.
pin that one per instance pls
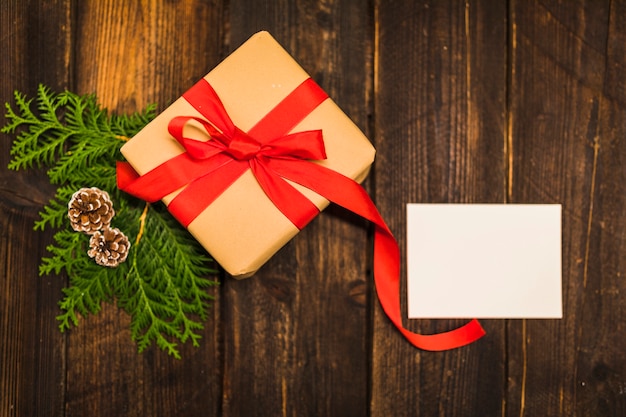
(296, 332)
(567, 112)
(601, 361)
(131, 54)
(35, 44)
(440, 135)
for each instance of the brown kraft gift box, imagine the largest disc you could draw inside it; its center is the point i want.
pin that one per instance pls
(242, 228)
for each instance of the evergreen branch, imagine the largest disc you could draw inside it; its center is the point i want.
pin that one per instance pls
(164, 295)
(94, 151)
(163, 285)
(85, 295)
(55, 213)
(148, 304)
(23, 116)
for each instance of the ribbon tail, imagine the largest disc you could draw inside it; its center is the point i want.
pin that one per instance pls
(166, 178)
(199, 194)
(291, 202)
(128, 180)
(125, 174)
(386, 277)
(347, 193)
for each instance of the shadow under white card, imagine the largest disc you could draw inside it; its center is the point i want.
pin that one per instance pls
(484, 260)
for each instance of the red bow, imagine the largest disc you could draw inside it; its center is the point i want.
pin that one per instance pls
(208, 168)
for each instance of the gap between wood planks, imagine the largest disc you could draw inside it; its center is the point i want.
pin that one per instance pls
(511, 49)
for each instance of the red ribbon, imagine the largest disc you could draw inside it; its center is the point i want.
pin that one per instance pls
(208, 168)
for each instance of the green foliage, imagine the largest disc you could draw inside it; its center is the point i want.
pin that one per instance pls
(163, 283)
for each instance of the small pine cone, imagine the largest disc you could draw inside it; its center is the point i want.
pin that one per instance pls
(109, 247)
(89, 210)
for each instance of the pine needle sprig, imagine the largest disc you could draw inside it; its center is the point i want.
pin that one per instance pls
(166, 292)
(87, 291)
(164, 283)
(41, 139)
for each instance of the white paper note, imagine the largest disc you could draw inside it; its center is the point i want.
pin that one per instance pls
(484, 261)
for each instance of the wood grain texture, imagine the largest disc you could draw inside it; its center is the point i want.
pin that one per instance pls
(567, 147)
(440, 134)
(296, 333)
(32, 350)
(601, 362)
(26, 31)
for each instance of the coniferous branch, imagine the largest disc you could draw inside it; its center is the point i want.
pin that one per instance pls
(163, 285)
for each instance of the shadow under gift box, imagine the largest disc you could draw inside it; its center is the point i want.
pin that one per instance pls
(242, 228)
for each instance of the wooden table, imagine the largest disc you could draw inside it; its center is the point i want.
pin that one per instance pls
(465, 101)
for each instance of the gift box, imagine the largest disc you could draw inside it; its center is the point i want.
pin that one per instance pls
(242, 228)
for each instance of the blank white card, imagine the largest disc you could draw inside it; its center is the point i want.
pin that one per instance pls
(484, 260)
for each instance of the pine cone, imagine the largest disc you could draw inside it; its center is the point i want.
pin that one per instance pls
(109, 247)
(89, 210)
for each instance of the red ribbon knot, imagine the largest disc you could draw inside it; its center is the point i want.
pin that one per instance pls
(242, 147)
